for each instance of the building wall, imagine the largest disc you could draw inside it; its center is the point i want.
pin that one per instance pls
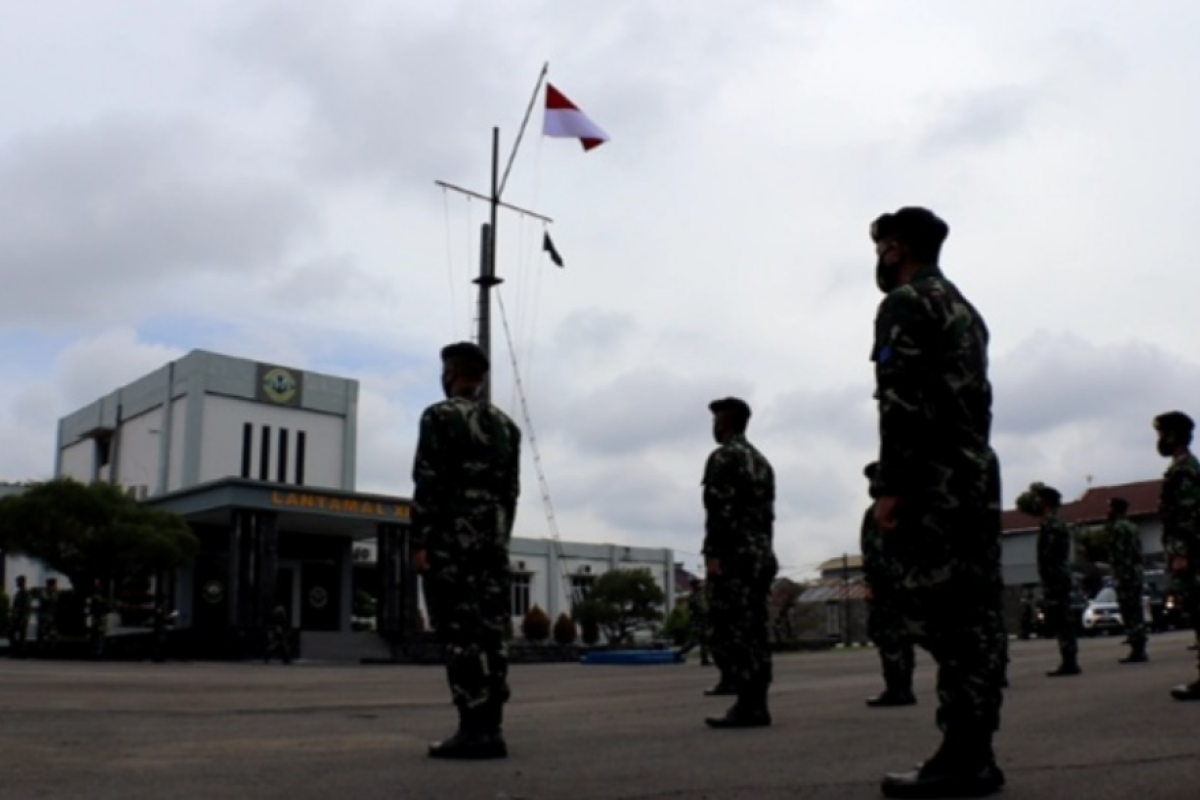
(139, 451)
(224, 422)
(173, 434)
(79, 460)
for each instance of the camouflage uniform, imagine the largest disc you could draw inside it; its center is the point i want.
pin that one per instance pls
(1125, 549)
(466, 485)
(279, 637)
(1179, 509)
(739, 498)
(97, 612)
(1054, 571)
(885, 622)
(47, 629)
(698, 623)
(934, 401)
(18, 619)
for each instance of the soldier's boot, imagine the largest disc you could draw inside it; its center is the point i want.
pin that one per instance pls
(724, 687)
(1069, 666)
(749, 711)
(1137, 654)
(898, 689)
(469, 741)
(1187, 691)
(964, 766)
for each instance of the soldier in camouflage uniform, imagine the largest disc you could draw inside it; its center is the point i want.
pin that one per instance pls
(937, 491)
(1179, 509)
(18, 619)
(97, 615)
(466, 477)
(1054, 571)
(1125, 550)
(279, 637)
(47, 629)
(697, 606)
(884, 623)
(739, 504)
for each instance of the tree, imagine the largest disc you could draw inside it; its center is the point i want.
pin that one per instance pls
(92, 532)
(564, 630)
(536, 625)
(621, 602)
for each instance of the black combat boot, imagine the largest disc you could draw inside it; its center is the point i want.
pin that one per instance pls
(471, 741)
(964, 766)
(750, 710)
(1137, 654)
(898, 691)
(723, 688)
(1069, 666)
(1187, 691)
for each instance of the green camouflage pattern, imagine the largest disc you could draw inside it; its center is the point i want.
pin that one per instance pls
(739, 504)
(1054, 571)
(47, 624)
(934, 403)
(1179, 509)
(885, 622)
(18, 619)
(466, 477)
(1125, 552)
(699, 624)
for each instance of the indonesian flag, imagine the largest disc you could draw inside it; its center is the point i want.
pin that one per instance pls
(564, 120)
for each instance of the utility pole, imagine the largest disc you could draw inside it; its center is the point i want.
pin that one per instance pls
(845, 600)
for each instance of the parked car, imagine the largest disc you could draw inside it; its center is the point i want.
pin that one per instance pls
(1102, 614)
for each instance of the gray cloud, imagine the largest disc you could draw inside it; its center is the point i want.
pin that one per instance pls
(981, 118)
(98, 214)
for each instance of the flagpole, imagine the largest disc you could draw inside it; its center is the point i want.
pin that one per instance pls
(487, 263)
(521, 133)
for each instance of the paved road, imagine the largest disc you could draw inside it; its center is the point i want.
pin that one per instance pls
(127, 731)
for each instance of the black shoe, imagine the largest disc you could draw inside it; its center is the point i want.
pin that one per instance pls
(1065, 668)
(470, 745)
(889, 698)
(720, 690)
(741, 717)
(1136, 656)
(945, 781)
(1186, 691)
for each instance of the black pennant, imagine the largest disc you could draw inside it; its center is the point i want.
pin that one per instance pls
(548, 246)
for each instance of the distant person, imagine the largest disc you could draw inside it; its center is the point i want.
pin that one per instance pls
(1179, 509)
(1054, 571)
(279, 637)
(97, 616)
(698, 624)
(18, 619)
(739, 505)
(47, 624)
(885, 623)
(466, 478)
(1125, 550)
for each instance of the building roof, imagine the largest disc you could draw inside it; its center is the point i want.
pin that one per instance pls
(1093, 506)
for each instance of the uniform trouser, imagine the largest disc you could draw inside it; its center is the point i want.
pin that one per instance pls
(468, 605)
(1188, 588)
(18, 633)
(1058, 614)
(1130, 600)
(885, 626)
(739, 615)
(949, 606)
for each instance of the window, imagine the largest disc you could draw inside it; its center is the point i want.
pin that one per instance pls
(103, 449)
(264, 455)
(283, 448)
(301, 441)
(581, 586)
(520, 594)
(833, 619)
(247, 445)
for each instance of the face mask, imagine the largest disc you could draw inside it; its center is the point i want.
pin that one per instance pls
(885, 276)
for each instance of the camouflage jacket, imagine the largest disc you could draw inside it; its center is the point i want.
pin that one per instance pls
(739, 501)
(870, 543)
(1125, 552)
(933, 394)
(1179, 508)
(1054, 555)
(21, 604)
(466, 477)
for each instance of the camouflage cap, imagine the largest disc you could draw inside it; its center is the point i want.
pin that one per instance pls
(911, 224)
(1174, 422)
(871, 470)
(1027, 502)
(466, 351)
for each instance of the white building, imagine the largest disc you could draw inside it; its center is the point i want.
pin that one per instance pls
(260, 459)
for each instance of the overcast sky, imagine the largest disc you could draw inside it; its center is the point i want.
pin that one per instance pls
(257, 179)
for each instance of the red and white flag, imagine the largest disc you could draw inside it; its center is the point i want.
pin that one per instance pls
(564, 120)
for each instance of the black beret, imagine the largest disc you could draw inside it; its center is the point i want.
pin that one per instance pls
(1174, 422)
(734, 405)
(1047, 492)
(911, 224)
(467, 351)
(871, 470)
(1118, 504)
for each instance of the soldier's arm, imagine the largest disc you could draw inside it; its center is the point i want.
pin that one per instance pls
(514, 487)
(903, 328)
(720, 492)
(428, 478)
(1174, 542)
